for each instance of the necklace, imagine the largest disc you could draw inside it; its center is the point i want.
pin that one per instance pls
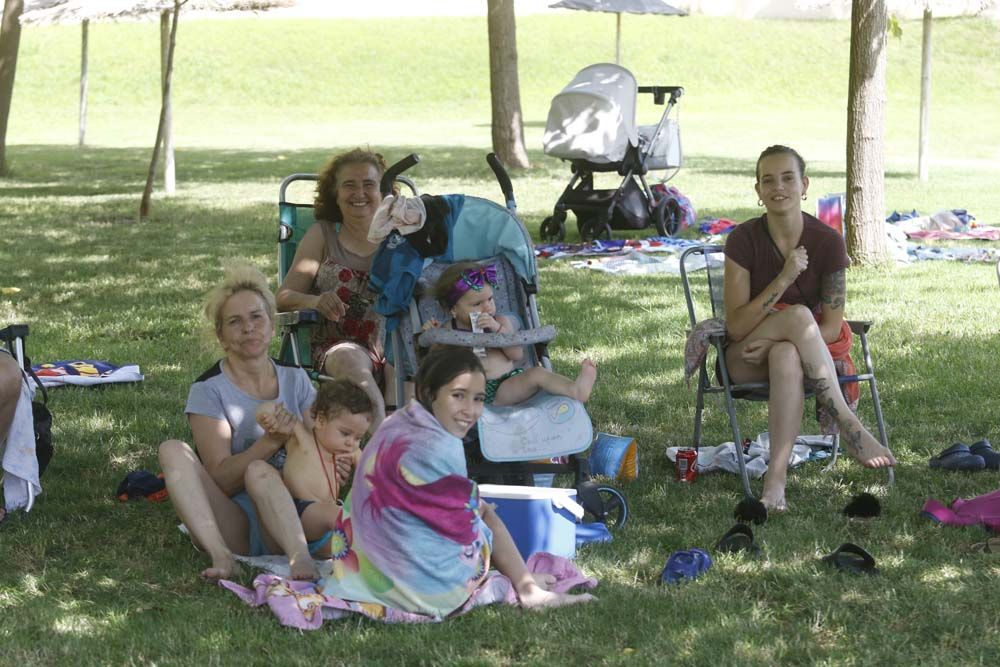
(322, 464)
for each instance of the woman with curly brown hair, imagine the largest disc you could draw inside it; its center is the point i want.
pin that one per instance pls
(330, 274)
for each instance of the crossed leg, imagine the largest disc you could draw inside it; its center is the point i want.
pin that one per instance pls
(797, 355)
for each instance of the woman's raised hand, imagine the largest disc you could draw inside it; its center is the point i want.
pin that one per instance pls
(330, 306)
(795, 263)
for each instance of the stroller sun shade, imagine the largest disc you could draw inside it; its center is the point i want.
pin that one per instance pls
(593, 118)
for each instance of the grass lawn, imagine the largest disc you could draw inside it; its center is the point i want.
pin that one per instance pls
(91, 581)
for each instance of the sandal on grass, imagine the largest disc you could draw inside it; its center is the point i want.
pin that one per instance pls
(685, 564)
(852, 559)
(990, 546)
(738, 538)
(984, 449)
(958, 457)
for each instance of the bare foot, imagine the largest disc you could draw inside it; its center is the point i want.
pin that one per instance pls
(585, 380)
(773, 497)
(868, 451)
(223, 567)
(774, 501)
(302, 567)
(537, 598)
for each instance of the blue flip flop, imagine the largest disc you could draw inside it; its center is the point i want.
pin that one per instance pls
(958, 457)
(685, 564)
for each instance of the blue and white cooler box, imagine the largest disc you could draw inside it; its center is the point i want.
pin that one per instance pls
(538, 518)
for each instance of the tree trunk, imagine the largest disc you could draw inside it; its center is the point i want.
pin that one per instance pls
(923, 158)
(84, 31)
(145, 204)
(10, 39)
(505, 95)
(169, 182)
(866, 239)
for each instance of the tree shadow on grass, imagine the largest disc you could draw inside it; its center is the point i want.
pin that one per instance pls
(46, 170)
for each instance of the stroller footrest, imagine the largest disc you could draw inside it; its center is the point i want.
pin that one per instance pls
(542, 427)
(442, 336)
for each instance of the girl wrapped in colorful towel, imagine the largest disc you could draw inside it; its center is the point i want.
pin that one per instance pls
(415, 535)
(785, 290)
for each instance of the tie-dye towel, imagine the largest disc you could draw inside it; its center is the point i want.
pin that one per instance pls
(410, 544)
(300, 604)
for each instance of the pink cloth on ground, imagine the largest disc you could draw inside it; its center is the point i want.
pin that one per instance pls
(298, 604)
(984, 509)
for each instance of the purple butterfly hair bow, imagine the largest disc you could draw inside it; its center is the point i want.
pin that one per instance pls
(473, 279)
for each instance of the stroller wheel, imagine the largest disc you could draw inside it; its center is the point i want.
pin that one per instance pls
(591, 226)
(603, 503)
(666, 217)
(603, 233)
(551, 230)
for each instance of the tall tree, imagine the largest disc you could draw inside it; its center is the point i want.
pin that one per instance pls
(505, 91)
(866, 242)
(10, 40)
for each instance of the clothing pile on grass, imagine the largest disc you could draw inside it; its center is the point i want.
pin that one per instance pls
(757, 454)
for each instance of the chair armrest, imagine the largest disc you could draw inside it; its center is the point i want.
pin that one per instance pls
(859, 326)
(442, 336)
(295, 318)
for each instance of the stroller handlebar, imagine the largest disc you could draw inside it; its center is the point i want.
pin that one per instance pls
(660, 93)
(395, 170)
(502, 178)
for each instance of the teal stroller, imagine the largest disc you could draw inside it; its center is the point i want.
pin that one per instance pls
(510, 441)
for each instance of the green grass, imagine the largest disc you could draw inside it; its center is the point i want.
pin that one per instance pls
(89, 580)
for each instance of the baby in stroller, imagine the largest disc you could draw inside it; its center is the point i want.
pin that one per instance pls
(465, 290)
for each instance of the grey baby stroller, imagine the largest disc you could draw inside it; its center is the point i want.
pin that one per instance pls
(508, 442)
(592, 124)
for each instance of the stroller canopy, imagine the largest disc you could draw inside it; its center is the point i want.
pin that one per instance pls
(593, 118)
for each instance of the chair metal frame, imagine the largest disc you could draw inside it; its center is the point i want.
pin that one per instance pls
(757, 391)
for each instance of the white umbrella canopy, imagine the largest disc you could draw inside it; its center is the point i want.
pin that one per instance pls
(619, 7)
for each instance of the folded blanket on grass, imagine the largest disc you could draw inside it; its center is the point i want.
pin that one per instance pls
(85, 372)
(303, 605)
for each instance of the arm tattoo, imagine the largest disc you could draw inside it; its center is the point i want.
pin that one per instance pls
(770, 301)
(833, 289)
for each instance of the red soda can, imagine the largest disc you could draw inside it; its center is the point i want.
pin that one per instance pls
(684, 466)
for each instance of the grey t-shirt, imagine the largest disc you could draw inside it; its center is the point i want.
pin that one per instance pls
(214, 395)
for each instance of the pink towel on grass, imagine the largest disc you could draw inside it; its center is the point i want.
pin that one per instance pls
(298, 604)
(984, 509)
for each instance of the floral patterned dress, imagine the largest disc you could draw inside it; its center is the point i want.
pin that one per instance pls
(346, 274)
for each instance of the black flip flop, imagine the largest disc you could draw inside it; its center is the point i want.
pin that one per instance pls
(738, 538)
(958, 457)
(852, 559)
